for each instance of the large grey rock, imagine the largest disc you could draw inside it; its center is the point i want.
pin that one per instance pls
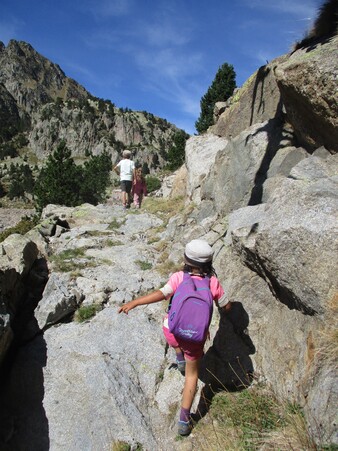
(285, 159)
(321, 399)
(280, 167)
(18, 256)
(200, 154)
(308, 84)
(257, 101)
(57, 302)
(296, 237)
(19, 253)
(237, 177)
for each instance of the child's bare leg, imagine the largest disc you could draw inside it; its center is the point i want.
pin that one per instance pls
(189, 391)
(190, 383)
(124, 198)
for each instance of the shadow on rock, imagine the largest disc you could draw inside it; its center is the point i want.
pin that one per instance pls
(227, 365)
(23, 419)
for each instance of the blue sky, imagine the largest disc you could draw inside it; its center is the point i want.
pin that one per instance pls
(157, 55)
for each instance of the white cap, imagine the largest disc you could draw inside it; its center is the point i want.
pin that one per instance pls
(198, 251)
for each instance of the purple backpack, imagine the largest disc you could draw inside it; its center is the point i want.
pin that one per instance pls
(191, 309)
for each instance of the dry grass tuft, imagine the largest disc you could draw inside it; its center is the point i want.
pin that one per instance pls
(328, 336)
(253, 419)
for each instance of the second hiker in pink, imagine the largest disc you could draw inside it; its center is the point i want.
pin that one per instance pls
(139, 188)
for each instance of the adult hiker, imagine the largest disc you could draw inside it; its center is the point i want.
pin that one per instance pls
(126, 169)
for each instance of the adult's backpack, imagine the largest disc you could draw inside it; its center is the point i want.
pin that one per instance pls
(191, 309)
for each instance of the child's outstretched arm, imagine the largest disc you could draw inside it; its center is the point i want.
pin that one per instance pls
(155, 296)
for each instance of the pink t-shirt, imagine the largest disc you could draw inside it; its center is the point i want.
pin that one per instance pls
(174, 281)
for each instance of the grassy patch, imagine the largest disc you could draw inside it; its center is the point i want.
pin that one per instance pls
(75, 274)
(112, 243)
(153, 234)
(120, 445)
(161, 246)
(86, 312)
(74, 260)
(251, 420)
(168, 267)
(115, 224)
(164, 265)
(144, 265)
(71, 260)
(22, 227)
(97, 233)
(164, 208)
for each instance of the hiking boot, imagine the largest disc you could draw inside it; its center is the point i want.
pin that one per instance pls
(184, 427)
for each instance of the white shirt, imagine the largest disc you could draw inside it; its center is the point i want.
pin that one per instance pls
(126, 167)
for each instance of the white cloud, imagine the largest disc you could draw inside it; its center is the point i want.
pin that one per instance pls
(168, 63)
(160, 35)
(160, 49)
(103, 9)
(103, 38)
(168, 77)
(307, 8)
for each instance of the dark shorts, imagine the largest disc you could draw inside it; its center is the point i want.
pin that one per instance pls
(126, 186)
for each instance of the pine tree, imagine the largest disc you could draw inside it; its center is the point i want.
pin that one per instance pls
(59, 181)
(62, 182)
(219, 91)
(22, 181)
(95, 178)
(176, 153)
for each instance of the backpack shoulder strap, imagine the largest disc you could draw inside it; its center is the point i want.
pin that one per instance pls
(188, 280)
(203, 285)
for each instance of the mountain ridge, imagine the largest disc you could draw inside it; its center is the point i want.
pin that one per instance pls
(45, 106)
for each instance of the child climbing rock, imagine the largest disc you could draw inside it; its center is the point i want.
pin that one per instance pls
(197, 286)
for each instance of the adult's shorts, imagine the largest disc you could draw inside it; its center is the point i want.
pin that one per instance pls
(126, 185)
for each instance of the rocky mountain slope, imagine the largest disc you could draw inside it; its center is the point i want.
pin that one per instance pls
(40, 105)
(262, 189)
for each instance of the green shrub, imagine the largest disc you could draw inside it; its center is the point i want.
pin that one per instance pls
(120, 446)
(86, 312)
(23, 226)
(68, 260)
(115, 224)
(144, 265)
(153, 183)
(62, 182)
